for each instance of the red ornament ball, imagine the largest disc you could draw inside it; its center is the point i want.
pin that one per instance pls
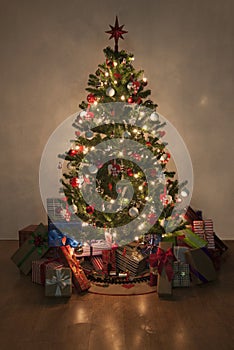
(90, 209)
(129, 172)
(130, 100)
(73, 152)
(74, 182)
(91, 98)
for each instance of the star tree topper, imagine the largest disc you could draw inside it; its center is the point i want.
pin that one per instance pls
(116, 32)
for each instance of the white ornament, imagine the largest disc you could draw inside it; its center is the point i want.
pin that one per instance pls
(154, 117)
(184, 193)
(133, 212)
(130, 85)
(83, 114)
(93, 169)
(73, 208)
(110, 91)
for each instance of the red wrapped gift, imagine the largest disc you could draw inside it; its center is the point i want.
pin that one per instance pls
(165, 258)
(97, 263)
(109, 260)
(39, 268)
(79, 278)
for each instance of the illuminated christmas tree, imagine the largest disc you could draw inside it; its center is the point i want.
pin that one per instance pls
(111, 186)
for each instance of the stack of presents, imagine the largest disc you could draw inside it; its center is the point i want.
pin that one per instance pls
(60, 263)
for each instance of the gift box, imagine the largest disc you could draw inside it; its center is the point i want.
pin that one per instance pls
(34, 248)
(181, 276)
(63, 225)
(191, 239)
(165, 258)
(153, 263)
(79, 278)
(179, 253)
(201, 266)
(25, 233)
(192, 215)
(209, 233)
(97, 263)
(109, 260)
(39, 268)
(199, 229)
(131, 260)
(58, 282)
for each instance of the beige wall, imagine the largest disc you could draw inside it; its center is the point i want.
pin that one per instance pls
(48, 48)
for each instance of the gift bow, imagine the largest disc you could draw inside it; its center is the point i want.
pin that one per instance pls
(60, 280)
(165, 259)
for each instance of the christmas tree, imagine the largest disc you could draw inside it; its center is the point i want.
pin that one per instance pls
(115, 175)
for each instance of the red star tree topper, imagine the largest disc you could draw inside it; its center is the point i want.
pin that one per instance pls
(116, 32)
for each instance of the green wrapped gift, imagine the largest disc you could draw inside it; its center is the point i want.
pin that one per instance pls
(191, 238)
(33, 248)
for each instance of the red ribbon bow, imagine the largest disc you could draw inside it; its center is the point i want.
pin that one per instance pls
(165, 260)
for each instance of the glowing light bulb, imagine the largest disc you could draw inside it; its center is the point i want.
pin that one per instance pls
(136, 238)
(122, 97)
(135, 131)
(144, 79)
(106, 74)
(140, 188)
(136, 176)
(112, 201)
(115, 82)
(95, 103)
(115, 63)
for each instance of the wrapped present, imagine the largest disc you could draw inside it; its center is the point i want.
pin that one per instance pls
(181, 276)
(179, 253)
(63, 225)
(93, 248)
(58, 282)
(25, 233)
(79, 278)
(39, 268)
(34, 248)
(153, 263)
(131, 260)
(191, 238)
(109, 260)
(97, 263)
(165, 258)
(201, 266)
(199, 229)
(192, 215)
(209, 233)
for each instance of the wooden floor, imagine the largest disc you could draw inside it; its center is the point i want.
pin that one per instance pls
(197, 318)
